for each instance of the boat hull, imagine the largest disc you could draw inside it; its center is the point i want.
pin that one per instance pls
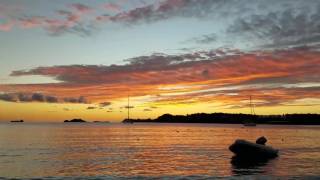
(243, 148)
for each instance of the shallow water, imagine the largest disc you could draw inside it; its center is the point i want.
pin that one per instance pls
(151, 151)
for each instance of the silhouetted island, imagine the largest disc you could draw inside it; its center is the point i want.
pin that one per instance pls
(226, 118)
(75, 120)
(17, 121)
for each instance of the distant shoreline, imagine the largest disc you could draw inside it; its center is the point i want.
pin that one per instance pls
(226, 118)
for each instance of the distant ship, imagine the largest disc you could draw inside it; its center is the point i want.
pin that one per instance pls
(250, 122)
(17, 121)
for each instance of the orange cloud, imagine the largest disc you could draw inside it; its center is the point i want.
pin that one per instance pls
(273, 78)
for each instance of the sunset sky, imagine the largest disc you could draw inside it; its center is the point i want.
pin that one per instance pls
(82, 58)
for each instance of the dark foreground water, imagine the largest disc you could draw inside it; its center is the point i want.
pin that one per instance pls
(170, 151)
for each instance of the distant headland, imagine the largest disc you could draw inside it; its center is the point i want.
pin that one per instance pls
(226, 118)
(76, 120)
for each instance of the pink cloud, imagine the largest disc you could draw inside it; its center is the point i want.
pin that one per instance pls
(103, 18)
(170, 4)
(112, 7)
(31, 22)
(203, 80)
(81, 8)
(7, 26)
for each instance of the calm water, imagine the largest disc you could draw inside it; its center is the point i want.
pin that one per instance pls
(151, 150)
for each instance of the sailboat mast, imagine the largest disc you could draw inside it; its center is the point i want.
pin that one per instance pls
(254, 112)
(128, 107)
(252, 107)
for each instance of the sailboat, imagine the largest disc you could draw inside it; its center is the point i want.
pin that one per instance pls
(250, 122)
(128, 120)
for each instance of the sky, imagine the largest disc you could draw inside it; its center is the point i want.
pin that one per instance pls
(83, 58)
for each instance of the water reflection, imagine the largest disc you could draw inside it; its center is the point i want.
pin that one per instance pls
(150, 150)
(250, 166)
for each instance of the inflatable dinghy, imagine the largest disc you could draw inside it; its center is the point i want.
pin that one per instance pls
(243, 148)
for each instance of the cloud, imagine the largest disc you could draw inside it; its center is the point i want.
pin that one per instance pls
(167, 9)
(204, 39)
(7, 26)
(51, 99)
(38, 97)
(79, 29)
(23, 97)
(285, 27)
(81, 7)
(20, 97)
(187, 78)
(80, 100)
(79, 18)
(147, 110)
(107, 74)
(104, 104)
(31, 22)
(8, 97)
(112, 7)
(285, 35)
(128, 107)
(291, 20)
(287, 65)
(91, 108)
(238, 97)
(74, 20)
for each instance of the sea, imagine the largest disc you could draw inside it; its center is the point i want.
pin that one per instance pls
(152, 151)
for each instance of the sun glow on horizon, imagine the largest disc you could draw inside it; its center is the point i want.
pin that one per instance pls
(83, 59)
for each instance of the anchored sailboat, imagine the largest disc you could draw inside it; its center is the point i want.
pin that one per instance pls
(128, 111)
(128, 107)
(250, 122)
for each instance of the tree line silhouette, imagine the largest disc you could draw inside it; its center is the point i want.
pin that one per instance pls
(226, 118)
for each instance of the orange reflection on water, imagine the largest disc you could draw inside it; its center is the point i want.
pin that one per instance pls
(152, 150)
